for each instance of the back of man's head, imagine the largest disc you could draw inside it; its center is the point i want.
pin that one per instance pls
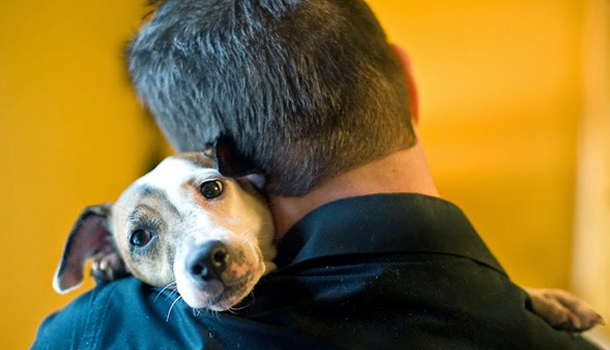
(306, 89)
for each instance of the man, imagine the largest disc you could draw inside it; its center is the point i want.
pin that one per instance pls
(310, 94)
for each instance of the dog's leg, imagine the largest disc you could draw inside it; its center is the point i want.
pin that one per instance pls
(108, 266)
(563, 310)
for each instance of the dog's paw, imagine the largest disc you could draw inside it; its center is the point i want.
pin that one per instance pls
(563, 310)
(108, 267)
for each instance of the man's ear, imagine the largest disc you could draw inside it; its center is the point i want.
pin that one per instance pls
(407, 68)
(90, 238)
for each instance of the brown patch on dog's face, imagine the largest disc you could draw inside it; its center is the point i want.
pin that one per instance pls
(142, 234)
(181, 205)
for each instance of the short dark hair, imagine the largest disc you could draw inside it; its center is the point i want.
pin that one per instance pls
(307, 89)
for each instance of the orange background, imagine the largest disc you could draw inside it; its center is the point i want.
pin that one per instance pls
(501, 92)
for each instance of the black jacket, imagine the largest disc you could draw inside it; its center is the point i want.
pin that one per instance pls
(394, 271)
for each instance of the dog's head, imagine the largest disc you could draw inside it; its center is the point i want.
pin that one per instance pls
(182, 223)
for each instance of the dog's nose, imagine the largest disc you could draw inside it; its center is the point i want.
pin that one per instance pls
(208, 261)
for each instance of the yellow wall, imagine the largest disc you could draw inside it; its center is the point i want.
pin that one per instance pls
(500, 96)
(500, 105)
(591, 268)
(71, 134)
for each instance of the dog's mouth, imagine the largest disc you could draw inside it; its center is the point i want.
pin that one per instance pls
(230, 296)
(219, 294)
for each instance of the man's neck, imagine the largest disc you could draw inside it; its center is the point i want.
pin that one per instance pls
(401, 172)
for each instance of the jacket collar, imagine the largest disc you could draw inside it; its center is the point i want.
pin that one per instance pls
(384, 223)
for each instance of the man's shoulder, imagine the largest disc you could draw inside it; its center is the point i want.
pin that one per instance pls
(101, 310)
(128, 314)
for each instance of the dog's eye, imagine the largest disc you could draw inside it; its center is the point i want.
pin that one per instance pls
(140, 238)
(211, 189)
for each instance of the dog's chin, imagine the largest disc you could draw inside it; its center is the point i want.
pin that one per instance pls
(215, 295)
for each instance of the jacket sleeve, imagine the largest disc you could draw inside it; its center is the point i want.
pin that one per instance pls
(65, 329)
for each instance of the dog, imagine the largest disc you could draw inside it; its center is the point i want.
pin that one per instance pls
(183, 226)
(187, 227)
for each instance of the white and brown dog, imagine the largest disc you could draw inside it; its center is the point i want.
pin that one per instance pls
(185, 226)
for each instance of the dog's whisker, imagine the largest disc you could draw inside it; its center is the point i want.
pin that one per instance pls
(173, 292)
(252, 299)
(123, 211)
(249, 233)
(171, 307)
(234, 310)
(246, 236)
(216, 315)
(171, 285)
(117, 206)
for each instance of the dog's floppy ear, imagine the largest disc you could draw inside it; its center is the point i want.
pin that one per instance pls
(90, 237)
(228, 160)
(234, 165)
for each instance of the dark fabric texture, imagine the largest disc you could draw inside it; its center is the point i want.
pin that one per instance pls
(391, 271)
